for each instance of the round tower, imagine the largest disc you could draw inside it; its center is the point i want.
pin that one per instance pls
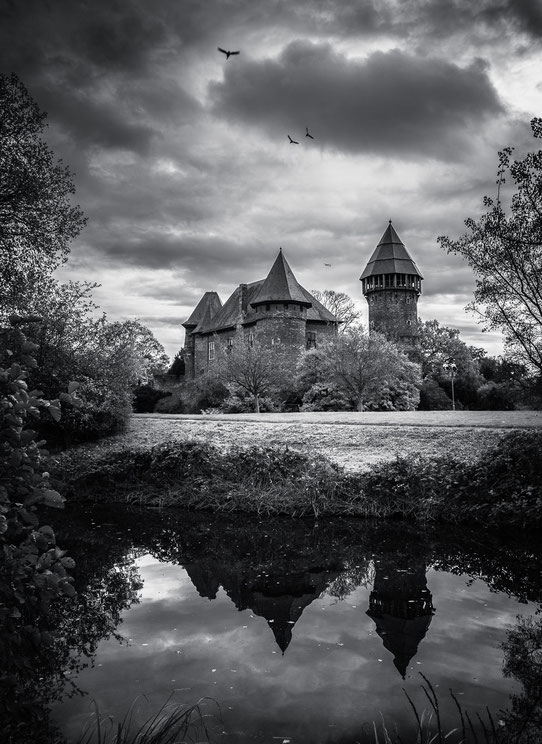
(391, 284)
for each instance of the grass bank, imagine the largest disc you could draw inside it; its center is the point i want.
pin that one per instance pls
(502, 486)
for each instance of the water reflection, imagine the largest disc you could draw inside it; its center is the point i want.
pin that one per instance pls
(330, 595)
(401, 606)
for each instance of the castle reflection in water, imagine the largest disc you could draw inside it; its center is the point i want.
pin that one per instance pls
(400, 604)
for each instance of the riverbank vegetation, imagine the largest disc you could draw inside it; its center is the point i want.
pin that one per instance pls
(502, 486)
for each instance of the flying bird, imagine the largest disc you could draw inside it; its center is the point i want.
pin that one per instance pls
(308, 135)
(327, 264)
(228, 54)
(292, 142)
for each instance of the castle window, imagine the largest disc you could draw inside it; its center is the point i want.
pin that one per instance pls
(408, 299)
(229, 344)
(409, 322)
(211, 350)
(310, 340)
(251, 339)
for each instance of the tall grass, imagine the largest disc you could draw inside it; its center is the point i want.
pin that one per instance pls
(430, 728)
(171, 724)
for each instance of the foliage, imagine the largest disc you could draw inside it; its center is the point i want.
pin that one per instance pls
(366, 368)
(37, 220)
(171, 724)
(258, 369)
(440, 344)
(145, 397)
(325, 397)
(523, 660)
(178, 365)
(433, 397)
(341, 306)
(239, 401)
(107, 359)
(504, 250)
(34, 571)
(503, 487)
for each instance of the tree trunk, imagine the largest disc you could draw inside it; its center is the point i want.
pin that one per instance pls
(256, 403)
(360, 405)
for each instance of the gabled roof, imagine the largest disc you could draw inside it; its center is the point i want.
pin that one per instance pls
(281, 285)
(390, 257)
(208, 306)
(231, 312)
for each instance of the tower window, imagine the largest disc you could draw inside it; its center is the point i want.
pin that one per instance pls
(251, 339)
(211, 350)
(229, 344)
(310, 340)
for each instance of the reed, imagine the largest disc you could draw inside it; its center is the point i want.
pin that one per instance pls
(171, 724)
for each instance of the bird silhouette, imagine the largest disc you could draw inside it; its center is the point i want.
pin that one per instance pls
(327, 264)
(228, 54)
(308, 135)
(292, 142)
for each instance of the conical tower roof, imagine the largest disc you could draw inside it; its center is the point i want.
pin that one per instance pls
(390, 257)
(208, 305)
(281, 285)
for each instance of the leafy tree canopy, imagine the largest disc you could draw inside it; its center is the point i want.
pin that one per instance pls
(504, 250)
(367, 368)
(37, 219)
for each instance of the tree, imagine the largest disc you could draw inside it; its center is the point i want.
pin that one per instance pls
(504, 249)
(341, 305)
(258, 369)
(368, 368)
(37, 219)
(107, 359)
(440, 344)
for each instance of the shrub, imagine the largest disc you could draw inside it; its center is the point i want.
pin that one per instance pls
(104, 412)
(34, 571)
(145, 397)
(174, 403)
(433, 397)
(325, 397)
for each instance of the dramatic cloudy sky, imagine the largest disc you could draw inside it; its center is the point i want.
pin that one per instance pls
(182, 162)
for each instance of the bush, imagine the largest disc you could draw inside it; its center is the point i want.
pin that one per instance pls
(145, 397)
(241, 402)
(104, 412)
(433, 397)
(34, 571)
(504, 487)
(325, 397)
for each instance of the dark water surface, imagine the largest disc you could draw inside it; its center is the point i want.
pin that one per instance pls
(299, 632)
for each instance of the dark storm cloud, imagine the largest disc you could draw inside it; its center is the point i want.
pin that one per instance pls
(152, 248)
(391, 102)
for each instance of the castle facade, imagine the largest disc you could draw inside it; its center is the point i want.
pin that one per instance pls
(278, 311)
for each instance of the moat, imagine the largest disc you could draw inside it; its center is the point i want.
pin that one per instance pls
(293, 631)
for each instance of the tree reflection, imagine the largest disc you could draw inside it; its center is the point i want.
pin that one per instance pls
(523, 661)
(107, 583)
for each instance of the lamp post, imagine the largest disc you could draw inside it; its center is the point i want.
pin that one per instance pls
(451, 367)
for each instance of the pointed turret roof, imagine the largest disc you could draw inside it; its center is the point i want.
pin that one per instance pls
(390, 257)
(281, 285)
(208, 306)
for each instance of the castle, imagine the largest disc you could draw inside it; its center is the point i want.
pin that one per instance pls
(278, 311)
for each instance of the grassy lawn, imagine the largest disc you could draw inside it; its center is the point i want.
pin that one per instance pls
(354, 440)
